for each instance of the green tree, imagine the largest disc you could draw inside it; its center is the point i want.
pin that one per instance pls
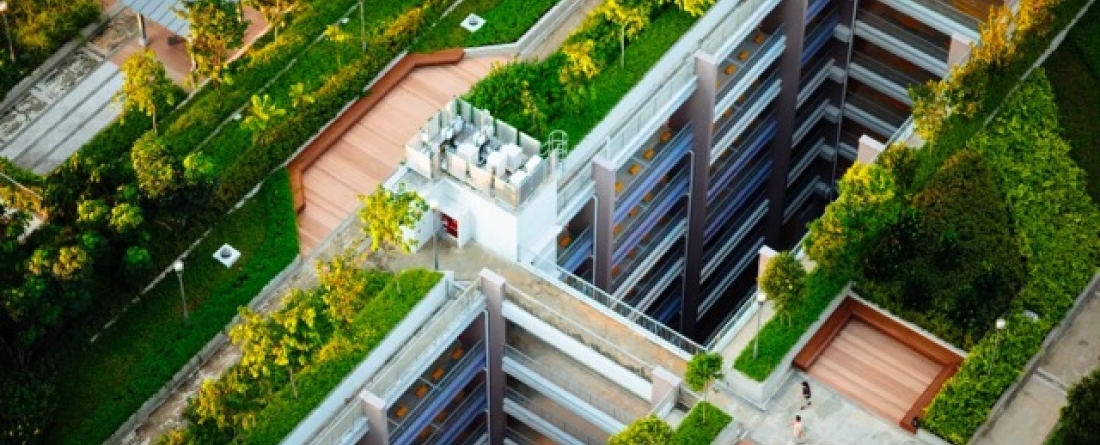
(648, 430)
(702, 370)
(261, 112)
(1079, 423)
(126, 219)
(335, 34)
(299, 338)
(694, 7)
(868, 202)
(784, 282)
(216, 28)
(386, 215)
(343, 287)
(276, 12)
(145, 86)
(154, 167)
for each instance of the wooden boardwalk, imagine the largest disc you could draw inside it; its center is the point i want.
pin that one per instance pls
(875, 370)
(368, 153)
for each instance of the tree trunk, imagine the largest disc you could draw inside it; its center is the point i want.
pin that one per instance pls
(154, 116)
(293, 385)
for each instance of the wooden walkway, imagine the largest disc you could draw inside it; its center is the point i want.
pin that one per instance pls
(371, 149)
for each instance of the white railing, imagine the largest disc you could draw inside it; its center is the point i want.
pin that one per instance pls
(622, 144)
(723, 39)
(567, 382)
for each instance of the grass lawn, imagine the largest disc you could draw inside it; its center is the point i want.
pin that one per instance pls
(1074, 73)
(101, 384)
(505, 22)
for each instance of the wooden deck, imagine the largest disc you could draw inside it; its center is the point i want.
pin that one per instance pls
(368, 152)
(878, 362)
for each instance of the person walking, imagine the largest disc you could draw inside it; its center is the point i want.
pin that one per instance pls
(798, 430)
(806, 394)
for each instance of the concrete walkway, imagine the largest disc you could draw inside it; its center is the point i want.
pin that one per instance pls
(1030, 417)
(554, 40)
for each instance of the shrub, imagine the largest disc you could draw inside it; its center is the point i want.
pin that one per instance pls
(784, 282)
(1079, 423)
(702, 425)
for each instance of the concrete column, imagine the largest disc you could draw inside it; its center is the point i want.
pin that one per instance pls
(492, 285)
(603, 172)
(700, 111)
(959, 51)
(869, 149)
(378, 432)
(766, 255)
(664, 382)
(143, 36)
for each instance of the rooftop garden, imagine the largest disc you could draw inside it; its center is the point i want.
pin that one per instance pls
(134, 197)
(701, 426)
(576, 87)
(293, 358)
(967, 229)
(37, 29)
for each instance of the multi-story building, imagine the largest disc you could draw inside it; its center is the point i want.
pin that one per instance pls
(733, 141)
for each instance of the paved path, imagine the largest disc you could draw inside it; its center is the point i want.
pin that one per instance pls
(554, 40)
(1033, 413)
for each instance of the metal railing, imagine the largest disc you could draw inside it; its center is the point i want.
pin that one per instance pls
(719, 40)
(912, 37)
(622, 144)
(773, 40)
(549, 417)
(598, 296)
(397, 373)
(407, 419)
(563, 381)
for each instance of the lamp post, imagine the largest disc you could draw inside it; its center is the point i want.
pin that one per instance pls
(1000, 325)
(435, 232)
(178, 267)
(362, 27)
(7, 30)
(760, 299)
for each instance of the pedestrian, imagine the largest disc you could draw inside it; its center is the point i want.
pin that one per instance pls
(797, 429)
(806, 394)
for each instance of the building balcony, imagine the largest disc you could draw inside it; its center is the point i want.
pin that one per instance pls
(627, 234)
(573, 251)
(804, 159)
(734, 120)
(651, 247)
(571, 384)
(820, 33)
(732, 199)
(669, 306)
(408, 417)
(891, 80)
(759, 133)
(922, 47)
(800, 192)
(941, 15)
(870, 109)
(720, 247)
(810, 115)
(452, 425)
(746, 64)
(717, 285)
(814, 8)
(550, 420)
(664, 273)
(643, 171)
(813, 76)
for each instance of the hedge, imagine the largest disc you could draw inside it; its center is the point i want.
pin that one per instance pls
(1056, 226)
(283, 412)
(702, 425)
(778, 335)
(130, 361)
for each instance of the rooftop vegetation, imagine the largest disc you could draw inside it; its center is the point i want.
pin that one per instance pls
(505, 22)
(576, 87)
(37, 29)
(1039, 264)
(701, 426)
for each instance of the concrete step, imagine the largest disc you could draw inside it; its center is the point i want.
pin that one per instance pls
(89, 88)
(78, 127)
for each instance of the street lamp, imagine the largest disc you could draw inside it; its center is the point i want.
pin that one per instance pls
(760, 299)
(7, 30)
(435, 232)
(1000, 325)
(178, 267)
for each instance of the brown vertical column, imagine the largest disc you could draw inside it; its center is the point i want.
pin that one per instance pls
(492, 285)
(792, 14)
(700, 110)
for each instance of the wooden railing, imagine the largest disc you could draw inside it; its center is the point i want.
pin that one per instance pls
(328, 137)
